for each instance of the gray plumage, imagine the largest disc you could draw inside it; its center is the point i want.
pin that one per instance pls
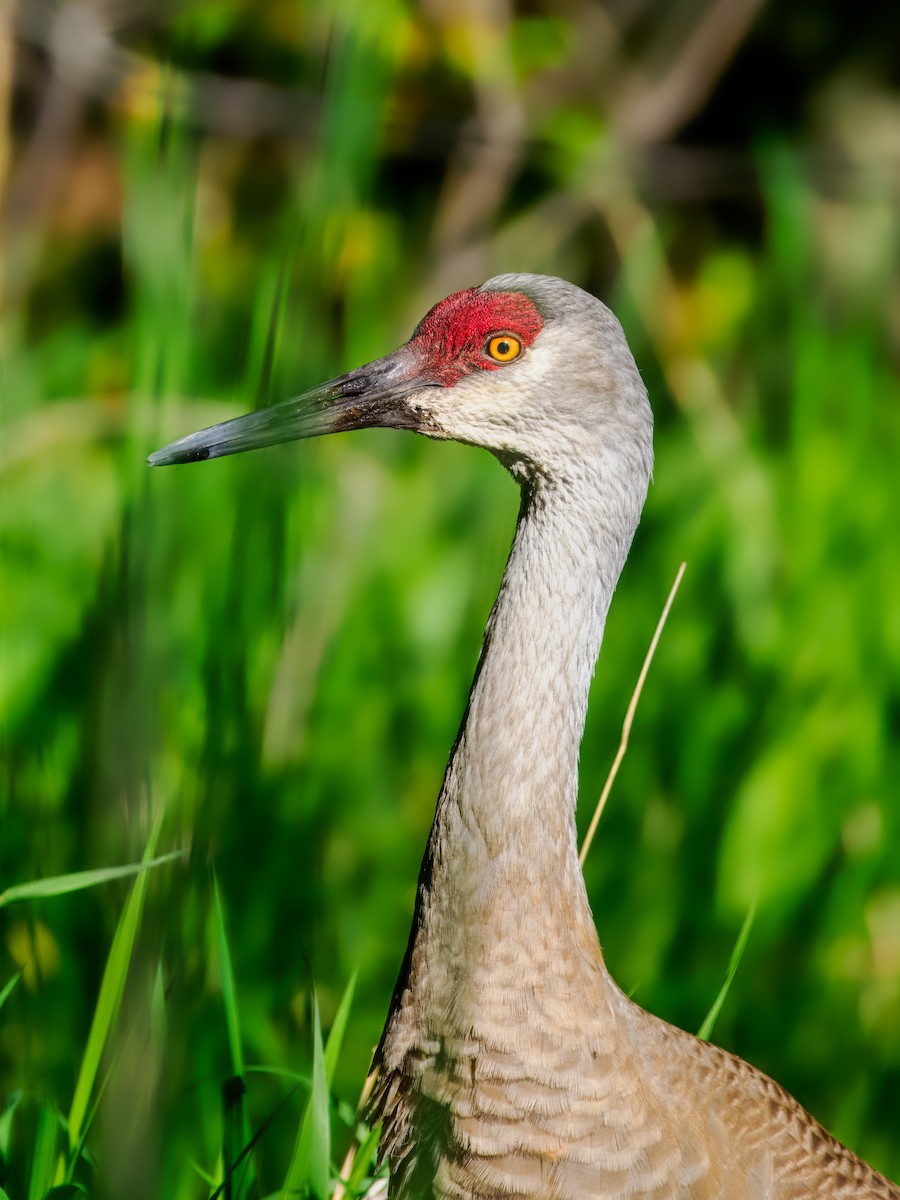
(511, 1064)
(512, 1067)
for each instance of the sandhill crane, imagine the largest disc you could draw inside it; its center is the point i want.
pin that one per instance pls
(511, 1065)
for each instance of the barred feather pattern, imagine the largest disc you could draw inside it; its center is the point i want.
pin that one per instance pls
(614, 1104)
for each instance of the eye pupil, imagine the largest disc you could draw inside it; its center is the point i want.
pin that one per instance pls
(503, 349)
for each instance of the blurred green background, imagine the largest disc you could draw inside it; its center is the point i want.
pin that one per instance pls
(210, 206)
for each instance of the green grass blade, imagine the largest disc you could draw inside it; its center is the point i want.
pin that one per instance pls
(111, 989)
(60, 885)
(364, 1161)
(312, 1152)
(225, 1188)
(280, 1072)
(43, 1162)
(229, 993)
(237, 1165)
(8, 988)
(77, 1150)
(208, 1179)
(6, 1119)
(736, 955)
(158, 1022)
(339, 1028)
(239, 1169)
(308, 1172)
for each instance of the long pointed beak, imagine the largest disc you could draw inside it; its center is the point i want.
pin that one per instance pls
(375, 395)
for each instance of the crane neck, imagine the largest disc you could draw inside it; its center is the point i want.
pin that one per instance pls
(505, 819)
(501, 908)
(515, 765)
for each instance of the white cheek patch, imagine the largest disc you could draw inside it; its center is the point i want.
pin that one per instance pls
(548, 407)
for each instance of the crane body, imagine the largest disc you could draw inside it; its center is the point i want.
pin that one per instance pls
(512, 1067)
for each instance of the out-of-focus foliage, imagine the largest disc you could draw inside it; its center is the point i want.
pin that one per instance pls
(215, 206)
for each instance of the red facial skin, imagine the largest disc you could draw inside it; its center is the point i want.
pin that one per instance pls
(452, 337)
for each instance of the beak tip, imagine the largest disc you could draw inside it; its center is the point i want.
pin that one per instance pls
(171, 455)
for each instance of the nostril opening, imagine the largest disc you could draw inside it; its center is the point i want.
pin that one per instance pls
(356, 386)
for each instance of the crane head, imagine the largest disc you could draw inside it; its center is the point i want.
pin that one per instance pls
(528, 366)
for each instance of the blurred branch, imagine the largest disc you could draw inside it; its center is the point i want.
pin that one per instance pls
(479, 174)
(488, 149)
(652, 112)
(84, 52)
(43, 163)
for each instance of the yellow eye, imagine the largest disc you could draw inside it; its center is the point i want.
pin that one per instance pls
(504, 347)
